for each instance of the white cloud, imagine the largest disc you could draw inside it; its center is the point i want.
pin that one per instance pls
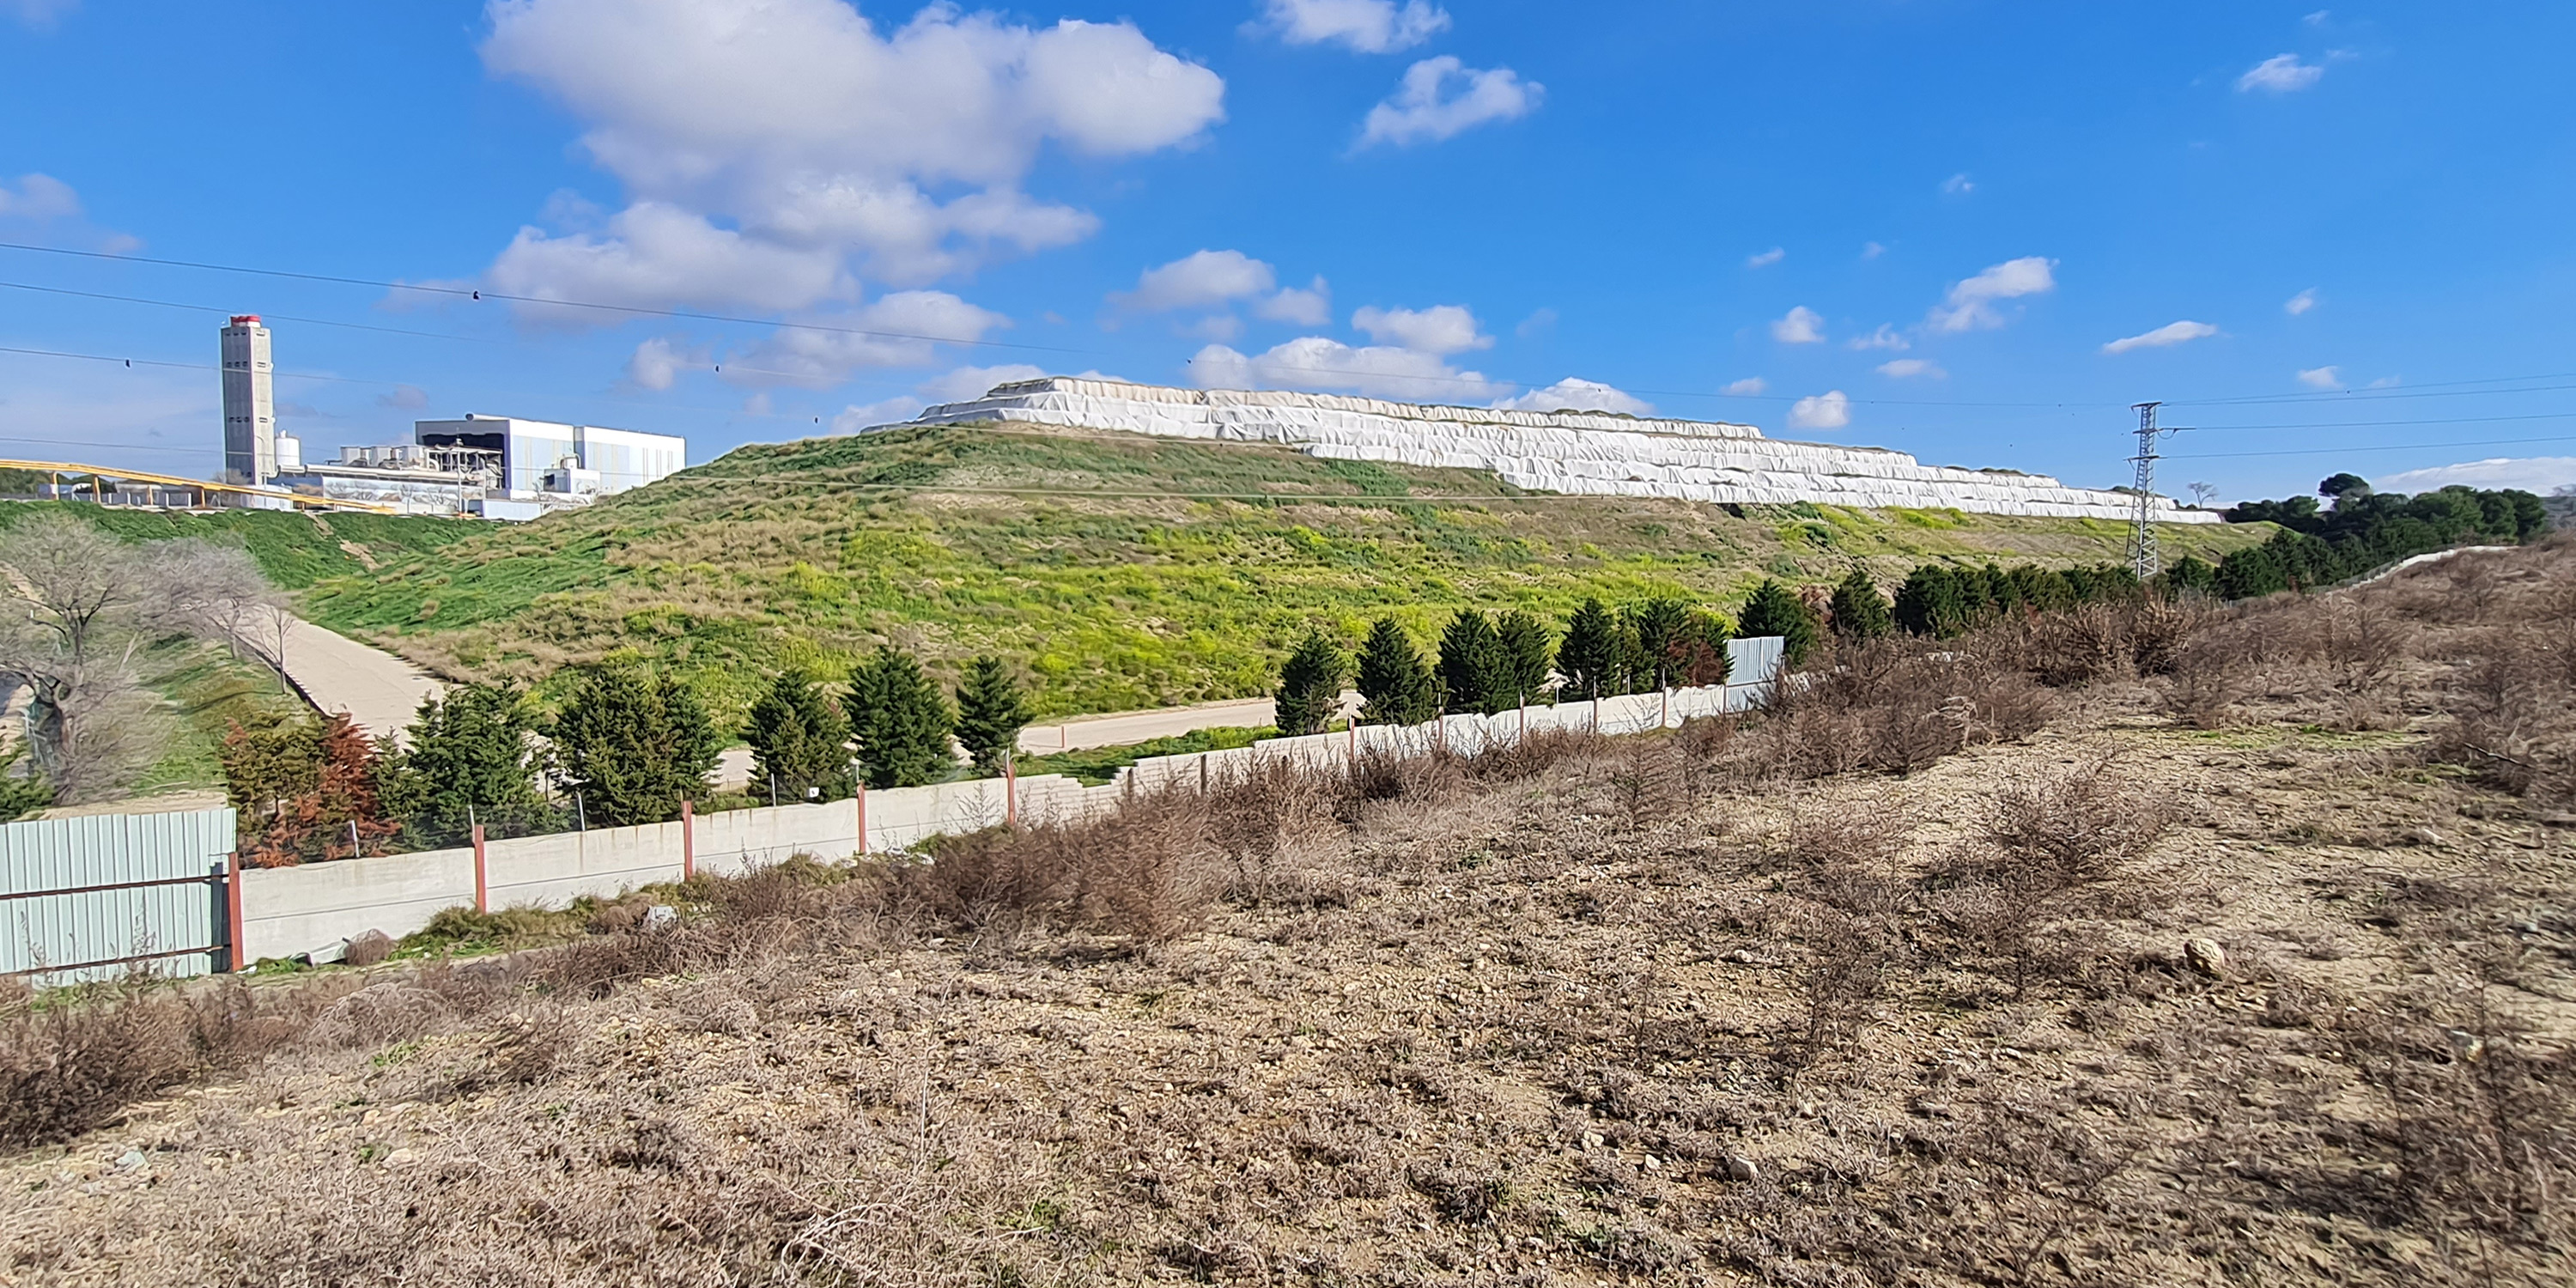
(1426, 109)
(1885, 337)
(1903, 368)
(1201, 279)
(1572, 394)
(39, 14)
(1442, 329)
(2300, 303)
(404, 398)
(37, 198)
(1871, 250)
(1215, 326)
(811, 139)
(974, 382)
(1802, 325)
(1539, 322)
(1365, 26)
(2542, 474)
(1971, 302)
(1747, 387)
(876, 335)
(658, 362)
(2163, 337)
(1828, 410)
(1959, 185)
(2384, 382)
(1312, 306)
(2279, 74)
(2317, 19)
(890, 411)
(1767, 258)
(2322, 378)
(1317, 363)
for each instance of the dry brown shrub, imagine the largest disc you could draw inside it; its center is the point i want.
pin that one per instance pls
(2045, 853)
(1273, 822)
(1148, 870)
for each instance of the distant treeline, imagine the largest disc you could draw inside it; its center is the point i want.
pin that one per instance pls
(2356, 530)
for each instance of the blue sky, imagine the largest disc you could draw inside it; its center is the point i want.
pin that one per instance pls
(1973, 231)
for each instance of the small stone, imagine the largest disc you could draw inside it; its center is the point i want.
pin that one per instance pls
(660, 917)
(1592, 1140)
(1744, 957)
(2423, 836)
(2469, 1047)
(130, 1160)
(2204, 956)
(1740, 1168)
(1652, 1163)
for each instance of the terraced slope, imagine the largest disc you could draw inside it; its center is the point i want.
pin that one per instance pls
(1125, 572)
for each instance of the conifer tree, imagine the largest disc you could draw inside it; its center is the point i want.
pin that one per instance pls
(1860, 612)
(469, 757)
(1774, 609)
(633, 746)
(1591, 656)
(2003, 594)
(1658, 625)
(990, 713)
(1529, 652)
(899, 720)
(1310, 685)
(1929, 603)
(1474, 674)
(799, 741)
(1395, 681)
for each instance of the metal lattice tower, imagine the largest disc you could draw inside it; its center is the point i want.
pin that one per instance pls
(2143, 555)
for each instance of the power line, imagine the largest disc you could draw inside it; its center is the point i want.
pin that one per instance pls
(2383, 447)
(209, 308)
(2445, 420)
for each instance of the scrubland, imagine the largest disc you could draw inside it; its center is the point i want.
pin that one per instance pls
(2160, 945)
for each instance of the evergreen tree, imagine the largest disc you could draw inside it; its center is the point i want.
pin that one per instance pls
(1475, 676)
(1658, 626)
(2189, 576)
(310, 792)
(799, 742)
(2003, 594)
(1310, 685)
(1591, 656)
(633, 746)
(899, 720)
(469, 757)
(1774, 609)
(1860, 612)
(1529, 653)
(21, 794)
(1395, 681)
(990, 713)
(1929, 603)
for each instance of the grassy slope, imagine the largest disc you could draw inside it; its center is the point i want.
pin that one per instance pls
(811, 552)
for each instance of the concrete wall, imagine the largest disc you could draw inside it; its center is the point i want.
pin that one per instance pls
(288, 911)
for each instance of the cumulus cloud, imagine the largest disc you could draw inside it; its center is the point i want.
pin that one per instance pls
(2322, 377)
(882, 334)
(2279, 74)
(1885, 337)
(1828, 410)
(1573, 394)
(1747, 387)
(1767, 258)
(2542, 474)
(795, 140)
(1311, 306)
(1442, 329)
(1538, 323)
(2300, 303)
(1217, 279)
(2163, 337)
(1442, 97)
(1364, 26)
(1971, 303)
(889, 411)
(39, 14)
(967, 383)
(1958, 185)
(1903, 368)
(657, 363)
(1803, 325)
(37, 198)
(1318, 363)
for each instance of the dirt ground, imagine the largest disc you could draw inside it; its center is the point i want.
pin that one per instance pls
(1596, 1025)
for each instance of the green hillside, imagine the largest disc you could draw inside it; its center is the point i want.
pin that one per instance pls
(294, 549)
(1123, 571)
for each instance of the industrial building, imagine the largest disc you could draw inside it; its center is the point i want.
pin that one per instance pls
(250, 402)
(544, 457)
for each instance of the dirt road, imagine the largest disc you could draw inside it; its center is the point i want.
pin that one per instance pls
(380, 691)
(1127, 727)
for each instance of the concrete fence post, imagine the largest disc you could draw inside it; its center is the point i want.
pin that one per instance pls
(233, 908)
(863, 816)
(1010, 790)
(482, 876)
(689, 839)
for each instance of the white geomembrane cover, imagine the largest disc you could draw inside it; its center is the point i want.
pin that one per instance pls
(1560, 451)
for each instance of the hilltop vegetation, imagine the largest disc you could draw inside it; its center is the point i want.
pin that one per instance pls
(1127, 572)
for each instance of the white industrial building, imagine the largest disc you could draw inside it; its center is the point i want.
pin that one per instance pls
(542, 457)
(250, 402)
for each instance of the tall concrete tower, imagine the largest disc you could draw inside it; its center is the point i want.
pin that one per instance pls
(250, 405)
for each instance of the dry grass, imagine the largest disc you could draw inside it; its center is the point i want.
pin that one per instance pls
(1645, 1012)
